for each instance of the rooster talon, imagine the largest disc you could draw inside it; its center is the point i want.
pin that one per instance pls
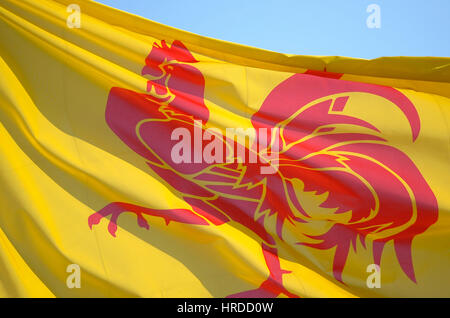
(268, 289)
(142, 222)
(112, 228)
(94, 219)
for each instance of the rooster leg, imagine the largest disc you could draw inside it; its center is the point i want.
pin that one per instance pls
(273, 285)
(116, 208)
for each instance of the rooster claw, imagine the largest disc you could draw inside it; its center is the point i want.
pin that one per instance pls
(268, 289)
(142, 222)
(114, 209)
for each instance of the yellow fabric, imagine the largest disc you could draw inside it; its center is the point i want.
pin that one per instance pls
(60, 162)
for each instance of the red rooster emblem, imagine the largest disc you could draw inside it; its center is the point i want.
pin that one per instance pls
(374, 190)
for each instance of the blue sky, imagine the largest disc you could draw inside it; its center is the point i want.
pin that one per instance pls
(309, 27)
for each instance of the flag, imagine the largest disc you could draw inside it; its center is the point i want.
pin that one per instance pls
(138, 160)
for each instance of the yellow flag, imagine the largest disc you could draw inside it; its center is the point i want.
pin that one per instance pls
(141, 160)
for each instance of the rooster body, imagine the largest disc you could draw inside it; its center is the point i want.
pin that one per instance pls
(375, 186)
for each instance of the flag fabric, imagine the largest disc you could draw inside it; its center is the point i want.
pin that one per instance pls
(138, 160)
